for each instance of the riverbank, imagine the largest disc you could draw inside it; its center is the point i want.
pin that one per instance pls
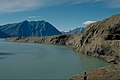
(105, 73)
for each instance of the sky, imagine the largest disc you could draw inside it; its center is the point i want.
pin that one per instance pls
(63, 14)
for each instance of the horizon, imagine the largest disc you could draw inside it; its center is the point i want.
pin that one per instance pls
(64, 15)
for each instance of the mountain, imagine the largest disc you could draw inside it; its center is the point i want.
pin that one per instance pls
(74, 31)
(32, 28)
(3, 35)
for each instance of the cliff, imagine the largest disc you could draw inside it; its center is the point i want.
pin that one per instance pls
(67, 39)
(102, 39)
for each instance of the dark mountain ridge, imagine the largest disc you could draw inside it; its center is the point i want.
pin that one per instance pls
(32, 28)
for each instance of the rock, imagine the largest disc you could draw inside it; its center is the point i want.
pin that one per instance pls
(105, 73)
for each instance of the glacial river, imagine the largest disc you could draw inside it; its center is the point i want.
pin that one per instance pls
(42, 61)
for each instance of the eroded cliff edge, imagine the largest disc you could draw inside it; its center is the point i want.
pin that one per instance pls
(100, 39)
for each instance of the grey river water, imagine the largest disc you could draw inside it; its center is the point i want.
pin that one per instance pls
(42, 61)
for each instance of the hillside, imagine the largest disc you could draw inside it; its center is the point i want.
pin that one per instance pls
(102, 39)
(3, 35)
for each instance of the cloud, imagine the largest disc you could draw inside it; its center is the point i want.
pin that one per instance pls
(33, 17)
(23, 5)
(89, 22)
(113, 3)
(17, 5)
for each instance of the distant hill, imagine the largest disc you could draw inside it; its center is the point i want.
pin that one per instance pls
(75, 31)
(32, 28)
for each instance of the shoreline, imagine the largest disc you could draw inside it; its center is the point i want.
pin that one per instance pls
(99, 72)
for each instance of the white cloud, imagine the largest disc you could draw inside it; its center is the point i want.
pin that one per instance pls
(23, 5)
(113, 3)
(17, 5)
(89, 22)
(33, 17)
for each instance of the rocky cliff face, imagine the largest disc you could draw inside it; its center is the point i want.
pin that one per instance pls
(69, 39)
(102, 39)
(32, 28)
